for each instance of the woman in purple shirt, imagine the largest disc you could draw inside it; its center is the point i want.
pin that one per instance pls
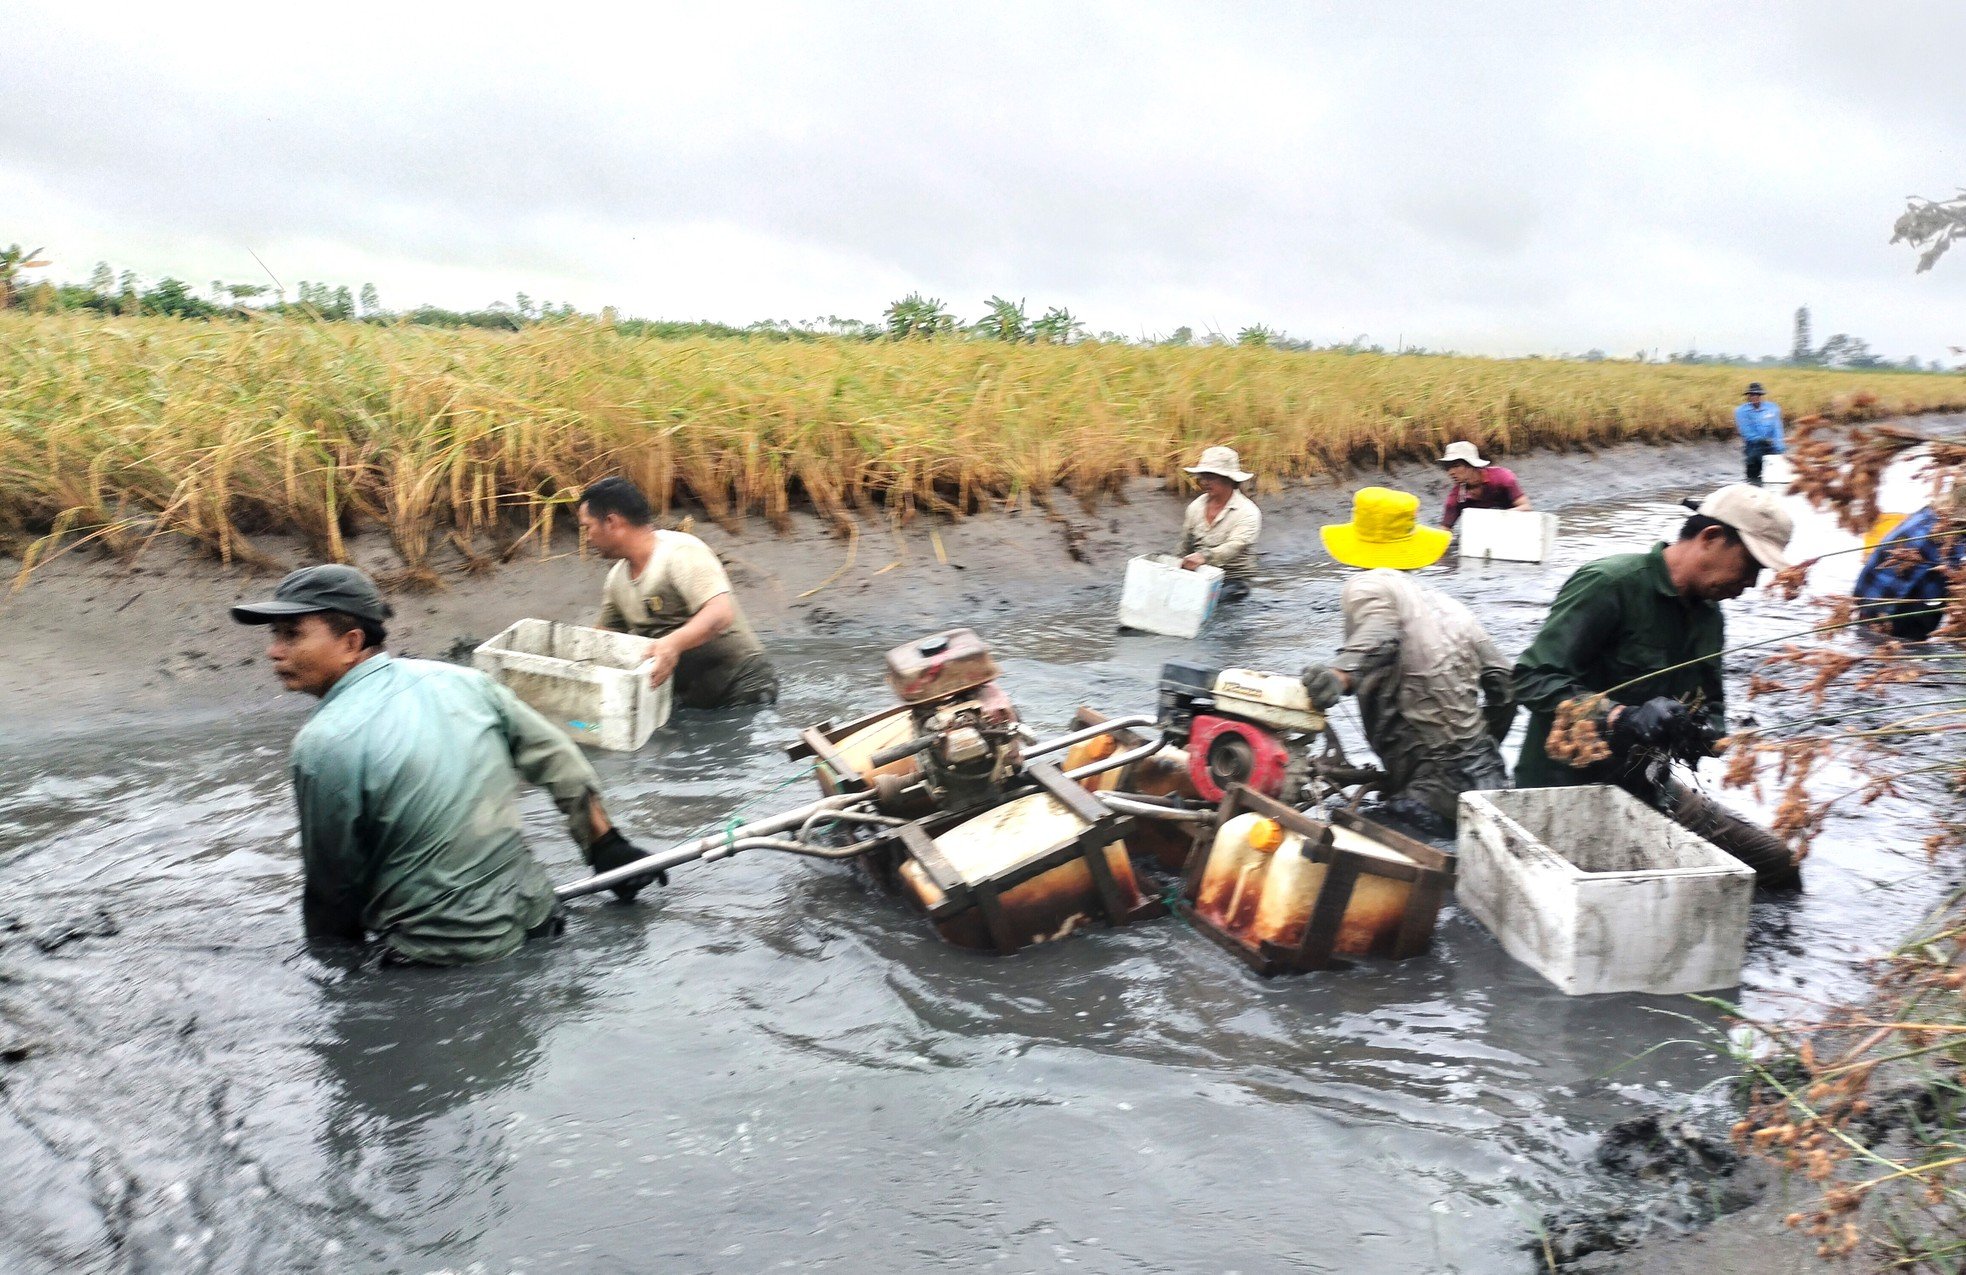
(1478, 484)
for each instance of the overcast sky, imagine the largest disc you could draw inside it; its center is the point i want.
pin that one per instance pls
(1500, 178)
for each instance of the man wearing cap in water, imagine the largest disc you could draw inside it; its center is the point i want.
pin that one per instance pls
(1637, 637)
(1419, 662)
(1477, 484)
(406, 781)
(1221, 525)
(1759, 423)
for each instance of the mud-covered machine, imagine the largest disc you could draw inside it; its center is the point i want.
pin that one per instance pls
(1004, 838)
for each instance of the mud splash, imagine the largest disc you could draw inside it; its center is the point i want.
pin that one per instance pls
(772, 1066)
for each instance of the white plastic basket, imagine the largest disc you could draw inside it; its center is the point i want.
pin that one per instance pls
(1598, 892)
(1160, 597)
(1507, 535)
(593, 682)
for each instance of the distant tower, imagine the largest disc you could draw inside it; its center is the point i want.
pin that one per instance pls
(1804, 349)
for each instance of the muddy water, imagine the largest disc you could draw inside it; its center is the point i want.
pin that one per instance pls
(772, 1066)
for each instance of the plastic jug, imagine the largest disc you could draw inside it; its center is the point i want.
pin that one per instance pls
(1232, 880)
(1290, 890)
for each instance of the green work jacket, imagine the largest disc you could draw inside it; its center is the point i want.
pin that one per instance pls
(1614, 620)
(407, 781)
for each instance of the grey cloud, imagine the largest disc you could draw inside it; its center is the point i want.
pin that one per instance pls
(1305, 161)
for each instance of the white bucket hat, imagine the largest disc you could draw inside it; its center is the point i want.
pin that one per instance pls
(1465, 454)
(1223, 461)
(1757, 517)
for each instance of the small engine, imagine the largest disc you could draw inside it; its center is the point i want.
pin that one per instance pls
(1240, 726)
(966, 731)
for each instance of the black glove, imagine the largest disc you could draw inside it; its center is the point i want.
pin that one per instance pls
(1499, 718)
(1323, 685)
(1661, 723)
(611, 850)
(1498, 711)
(1702, 739)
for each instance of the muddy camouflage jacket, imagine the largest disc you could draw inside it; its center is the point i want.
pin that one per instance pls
(1419, 663)
(407, 782)
(1616, 619)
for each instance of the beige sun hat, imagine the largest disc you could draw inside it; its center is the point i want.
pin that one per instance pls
(1222, 461)
(1465, 454)
(1757, 517)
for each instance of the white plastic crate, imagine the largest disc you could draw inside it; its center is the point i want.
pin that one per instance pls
(1507, 535)
(1160, 597)
(1598, 892)
(593, 682)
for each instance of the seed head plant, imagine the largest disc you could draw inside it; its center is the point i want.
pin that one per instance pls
(1867, 1102)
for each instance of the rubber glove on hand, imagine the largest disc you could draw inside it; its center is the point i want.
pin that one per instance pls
(1498, 708)
(1323, 685)
(1702, 739)
(611, 850)
(1661, 722)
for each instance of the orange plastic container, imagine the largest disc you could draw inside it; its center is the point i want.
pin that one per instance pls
(1161, 774)
(1322, 891)
(1030, 870)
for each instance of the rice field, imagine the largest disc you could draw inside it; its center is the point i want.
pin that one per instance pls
(115, 431)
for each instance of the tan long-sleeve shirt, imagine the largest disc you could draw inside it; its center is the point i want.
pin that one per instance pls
(1230, 541)
(1420, 664)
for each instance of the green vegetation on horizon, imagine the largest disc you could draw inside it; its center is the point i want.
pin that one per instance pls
(122, 428)
(913, 317)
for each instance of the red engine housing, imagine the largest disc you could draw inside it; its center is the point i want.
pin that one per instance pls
(1223, 751)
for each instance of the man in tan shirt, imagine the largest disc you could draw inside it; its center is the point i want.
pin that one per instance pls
(1221, 525)
(669, 587)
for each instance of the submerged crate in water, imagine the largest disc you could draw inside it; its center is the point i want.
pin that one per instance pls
(1598, 892)
(592, 682)
(1507, 535)
(1160, 597)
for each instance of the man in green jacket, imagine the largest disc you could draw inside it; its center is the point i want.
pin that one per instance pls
(406, 778)
(1644, 631)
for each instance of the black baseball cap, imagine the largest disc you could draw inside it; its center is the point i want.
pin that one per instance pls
(311, 590)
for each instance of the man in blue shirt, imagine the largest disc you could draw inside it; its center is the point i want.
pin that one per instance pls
(1907, 580)
(406, 778)
(1759, 424)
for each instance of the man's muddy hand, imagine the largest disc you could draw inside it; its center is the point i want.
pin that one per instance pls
(662, 659)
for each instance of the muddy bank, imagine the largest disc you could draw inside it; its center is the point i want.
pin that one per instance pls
(770, 1065)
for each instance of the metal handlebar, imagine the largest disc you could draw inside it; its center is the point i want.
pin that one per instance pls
(855, 807)
(1146, 808)
(715, 845)
(895, 752)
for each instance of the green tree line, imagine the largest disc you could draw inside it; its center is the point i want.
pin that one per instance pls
(915, 317)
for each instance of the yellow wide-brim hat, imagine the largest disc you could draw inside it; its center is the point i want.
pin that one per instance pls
(1385, 532)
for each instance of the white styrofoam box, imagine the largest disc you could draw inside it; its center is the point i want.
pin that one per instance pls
(1598, 892)
(592, 682)
(1507, 535)
(1160, 597)
(1777, 468)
